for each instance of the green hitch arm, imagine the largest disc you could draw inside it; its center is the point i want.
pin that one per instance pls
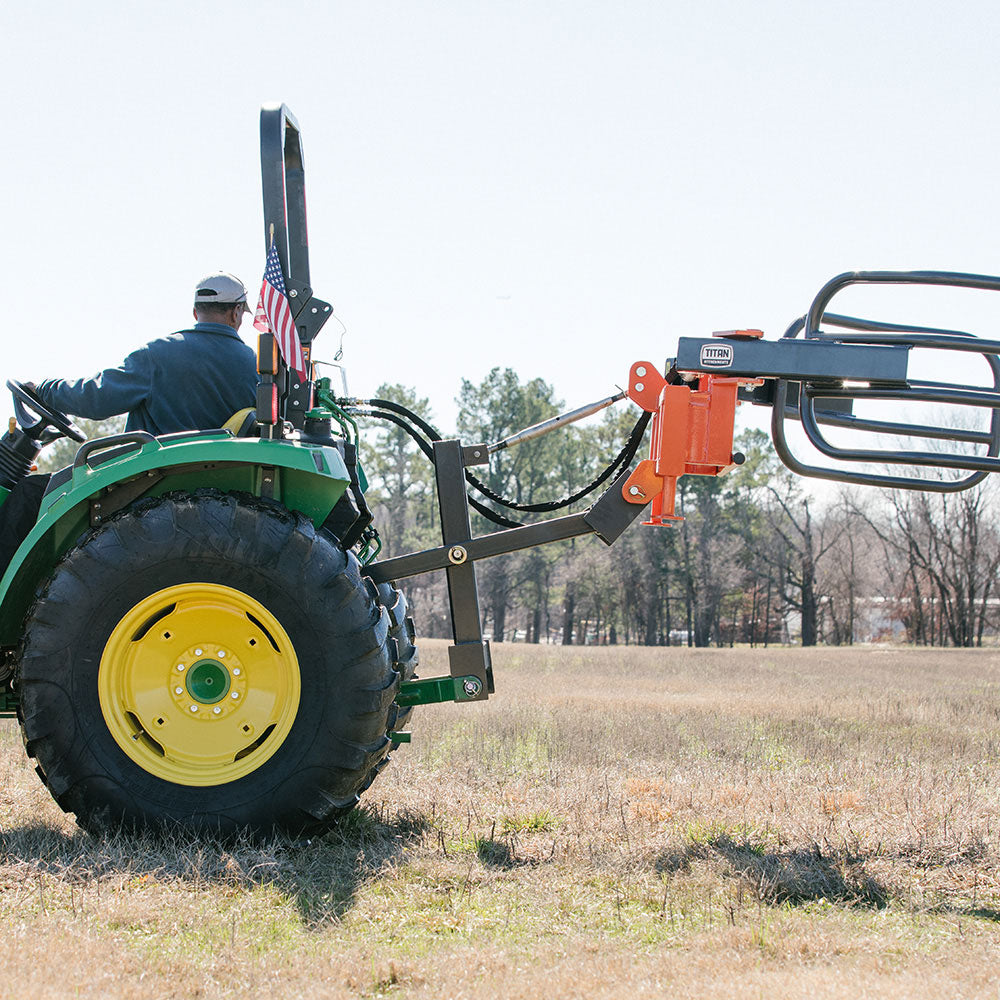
(432, 690)
(8, 703)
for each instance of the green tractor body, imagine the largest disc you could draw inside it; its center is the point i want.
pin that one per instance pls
(188, 639)
(307, 478)
(192, 648)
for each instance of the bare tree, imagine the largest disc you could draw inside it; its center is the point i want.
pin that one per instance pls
(950, 547)
(785, 533)
(845, 571)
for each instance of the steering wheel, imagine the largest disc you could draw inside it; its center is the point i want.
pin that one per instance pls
(24, 398)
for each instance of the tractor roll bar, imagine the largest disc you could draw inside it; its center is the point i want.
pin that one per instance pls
(283, 181)
(283, 186)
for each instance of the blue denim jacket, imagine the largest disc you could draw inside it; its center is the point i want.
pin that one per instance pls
(191, 380)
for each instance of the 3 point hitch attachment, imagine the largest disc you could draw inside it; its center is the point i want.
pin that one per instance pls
(471, 669)
(814, 379)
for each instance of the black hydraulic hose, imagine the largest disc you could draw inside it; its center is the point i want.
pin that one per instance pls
(387, 404)
(493, 516)
(623, 458)
(490, 515)
(395, 413)
(400, 422)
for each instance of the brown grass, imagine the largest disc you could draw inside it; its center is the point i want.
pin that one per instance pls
(616, 822)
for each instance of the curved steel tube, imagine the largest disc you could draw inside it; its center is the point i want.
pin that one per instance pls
(873, 332)
(845, 476)
(946, 278)
(850, 422)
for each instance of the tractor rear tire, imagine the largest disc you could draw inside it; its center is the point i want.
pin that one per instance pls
(403, 643)
(210, 662)
(403, 634)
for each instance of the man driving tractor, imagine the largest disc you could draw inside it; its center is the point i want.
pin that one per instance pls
(195, 379)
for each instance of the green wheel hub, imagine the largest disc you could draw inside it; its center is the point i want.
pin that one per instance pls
(208, 682)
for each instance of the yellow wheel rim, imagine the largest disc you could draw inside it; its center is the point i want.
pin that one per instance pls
(199, 684)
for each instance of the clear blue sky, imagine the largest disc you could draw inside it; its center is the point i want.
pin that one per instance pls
(559, 187)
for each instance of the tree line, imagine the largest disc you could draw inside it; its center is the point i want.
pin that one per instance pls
(756, 560)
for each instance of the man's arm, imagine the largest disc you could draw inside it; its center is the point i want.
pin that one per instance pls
(110, 392)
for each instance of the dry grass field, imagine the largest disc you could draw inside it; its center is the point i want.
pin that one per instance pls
(617, 822)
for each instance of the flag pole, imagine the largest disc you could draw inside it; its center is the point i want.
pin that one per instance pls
(273, 371)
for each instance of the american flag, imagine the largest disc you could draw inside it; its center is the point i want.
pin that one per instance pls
(274, 315)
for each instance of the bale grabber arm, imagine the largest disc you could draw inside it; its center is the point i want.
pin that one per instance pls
(814, 379)
(813, 376)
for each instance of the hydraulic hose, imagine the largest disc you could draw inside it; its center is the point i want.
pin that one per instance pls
(490, 515)
(623, 458)
(401, 416)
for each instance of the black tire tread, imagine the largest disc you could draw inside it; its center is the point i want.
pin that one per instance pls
(406, 657)
(375, 653)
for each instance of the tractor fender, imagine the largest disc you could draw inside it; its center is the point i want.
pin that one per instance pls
(306, 477)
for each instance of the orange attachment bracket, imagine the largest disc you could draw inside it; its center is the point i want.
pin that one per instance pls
(692, 434)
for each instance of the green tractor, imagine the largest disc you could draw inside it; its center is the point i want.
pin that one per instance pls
(188, 638)
(198, 634)
(188, 645)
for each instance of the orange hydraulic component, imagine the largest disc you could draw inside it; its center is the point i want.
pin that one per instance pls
(692, 435)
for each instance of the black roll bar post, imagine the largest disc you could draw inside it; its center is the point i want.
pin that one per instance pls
(283, 186)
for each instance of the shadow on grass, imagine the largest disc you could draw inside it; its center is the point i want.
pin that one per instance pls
(321, 876)
(494, 853)
(981, 912)
(971, 911)
(796, 876)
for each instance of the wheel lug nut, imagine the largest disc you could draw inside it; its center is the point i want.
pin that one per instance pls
(197, 652)
(221, 654)
(194, 708)
(180, 666)
(236, 671)
(235, 694)
(178, 690)
(216, 710)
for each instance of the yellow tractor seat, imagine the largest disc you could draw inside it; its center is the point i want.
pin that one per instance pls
(243, 423)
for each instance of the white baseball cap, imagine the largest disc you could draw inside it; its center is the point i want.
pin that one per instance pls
(226, 289)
